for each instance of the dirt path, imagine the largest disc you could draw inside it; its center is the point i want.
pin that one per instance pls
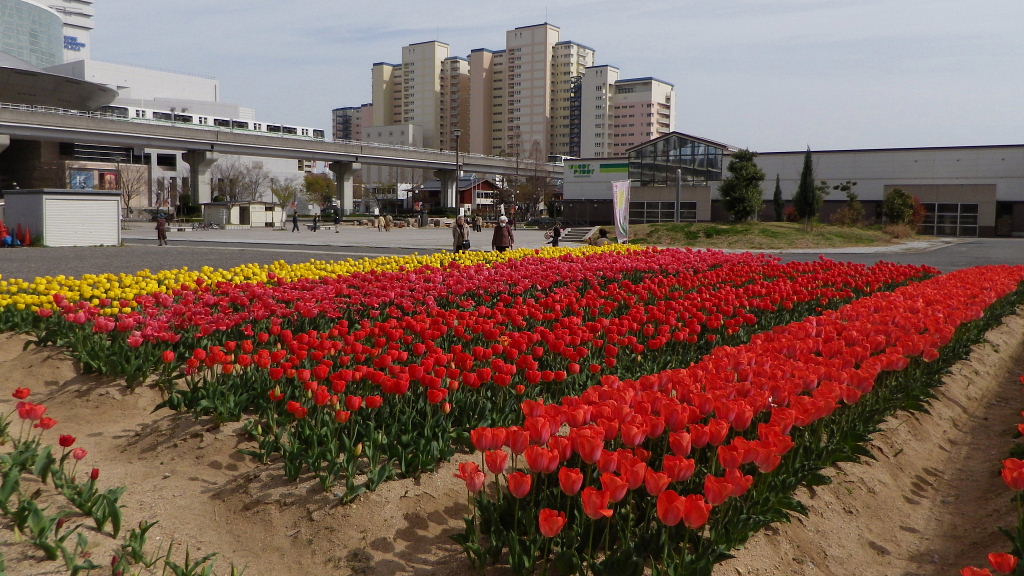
(929, 505)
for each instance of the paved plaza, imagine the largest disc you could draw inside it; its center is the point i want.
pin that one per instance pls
(230, 248)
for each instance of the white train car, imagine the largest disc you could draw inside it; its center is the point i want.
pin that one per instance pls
(148, 115)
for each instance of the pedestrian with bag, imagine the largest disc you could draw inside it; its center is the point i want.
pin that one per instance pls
(295, 221)
(161, 231)
(556, 233)
(503, 238)
(460, 235)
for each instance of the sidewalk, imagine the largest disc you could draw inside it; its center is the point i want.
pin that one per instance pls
(428, 239)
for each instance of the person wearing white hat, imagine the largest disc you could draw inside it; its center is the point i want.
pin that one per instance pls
(503, 238)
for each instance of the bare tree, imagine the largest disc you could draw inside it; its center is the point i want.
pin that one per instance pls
(228, 175)
(254, 180)
(285, 192)
(133, 180)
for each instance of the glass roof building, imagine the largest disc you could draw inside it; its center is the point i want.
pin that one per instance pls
(663, 160)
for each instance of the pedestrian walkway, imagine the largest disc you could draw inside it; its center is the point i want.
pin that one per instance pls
(429, 239)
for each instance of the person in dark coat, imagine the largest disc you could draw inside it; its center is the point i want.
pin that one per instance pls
(295, 221)
(556, 233)
(337, 221)
(503, 238)
(161, 232)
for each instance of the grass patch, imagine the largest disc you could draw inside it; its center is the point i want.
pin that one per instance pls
(756, 235)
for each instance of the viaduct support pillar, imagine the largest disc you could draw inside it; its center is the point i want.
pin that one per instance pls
(343, 173)
(449, 187)
(5, 141)
(199, 162)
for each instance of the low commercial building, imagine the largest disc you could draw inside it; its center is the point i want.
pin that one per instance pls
(965, 190)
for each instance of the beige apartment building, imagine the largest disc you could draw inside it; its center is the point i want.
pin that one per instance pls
(539, 96)
(351, 123)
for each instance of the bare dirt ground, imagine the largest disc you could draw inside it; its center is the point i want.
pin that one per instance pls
(930, 504)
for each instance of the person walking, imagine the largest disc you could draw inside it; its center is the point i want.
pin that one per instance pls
(295, 221)
(503, 238)
(316, 222)
(556, 233)
(388, 221)
(161, 232)
(478, 223)
(380, 223)
(460, 235)
(337, 220)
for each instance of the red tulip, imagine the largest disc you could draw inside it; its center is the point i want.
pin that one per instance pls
(972, 571)
(79, 453)
(168, 356)
(1002, 562)
(541, 459)
(66, 440)
(21, 393)
(95, 474)
(30, 411)
(497, 461)
(471, 474)
(342, 416)
(46, 423)
(551, 522)
(695, 511)
(1013, 473)
(519, 484)
(570, 480)
(297, 410)
(717, 490)
(655, 482)
(595, 503)
(670, 508)
(615, 486)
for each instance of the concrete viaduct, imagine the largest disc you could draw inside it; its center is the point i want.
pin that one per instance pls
(201, 146)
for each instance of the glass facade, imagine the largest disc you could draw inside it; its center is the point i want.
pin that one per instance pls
(650, 212)
(31, 33)
(655, 163)
(950, 219)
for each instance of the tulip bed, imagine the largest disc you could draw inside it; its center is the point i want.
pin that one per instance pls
(672, 470)
(366, 375)
(362, 378)
(635, 368)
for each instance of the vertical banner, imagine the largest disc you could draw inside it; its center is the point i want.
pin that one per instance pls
(620, 206)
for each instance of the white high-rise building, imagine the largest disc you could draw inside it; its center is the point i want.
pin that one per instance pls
(641, 110)
(595, 111)
(78, 16)
(410, 92)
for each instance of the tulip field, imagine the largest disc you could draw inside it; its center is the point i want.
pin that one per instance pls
(633, 410)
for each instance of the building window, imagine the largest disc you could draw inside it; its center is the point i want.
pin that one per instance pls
(649, 212)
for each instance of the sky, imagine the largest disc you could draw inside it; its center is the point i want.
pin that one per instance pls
(768, 75)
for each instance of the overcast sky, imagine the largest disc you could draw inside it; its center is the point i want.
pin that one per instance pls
(769, 75)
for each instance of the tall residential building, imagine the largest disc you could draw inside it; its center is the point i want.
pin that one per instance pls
(454, 104)
(350, 123)
(596, 111)
(540, 96)
(641, 110)
(528, 52)
(569, 62)
(78, 16)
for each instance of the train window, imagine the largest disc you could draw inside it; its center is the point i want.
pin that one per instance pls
(305, 132)
(240, 124)
(119, 111)
(222, 122)
(319, 134)
(289, 130)
(187, 119)
(163, 116)
(273, 128)
(140, 113)
(257, 126)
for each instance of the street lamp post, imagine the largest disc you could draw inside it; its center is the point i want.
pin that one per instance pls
(679, 191)
(458, 165)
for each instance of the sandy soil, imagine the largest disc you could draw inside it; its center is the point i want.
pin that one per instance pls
(929, 505)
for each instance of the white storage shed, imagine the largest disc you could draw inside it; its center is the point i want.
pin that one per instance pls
(66, 217)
